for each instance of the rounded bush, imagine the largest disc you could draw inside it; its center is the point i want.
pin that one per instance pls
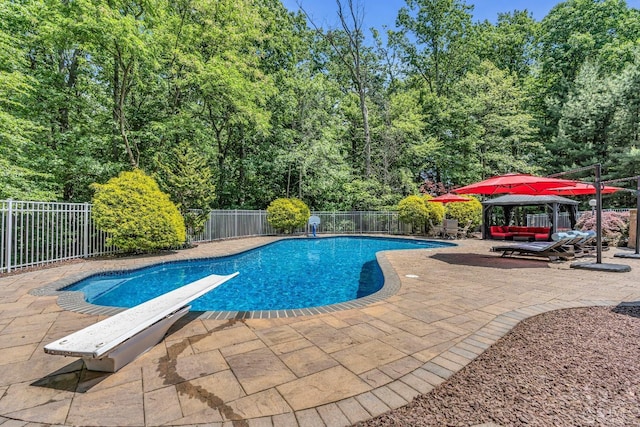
(435, 211)
(285, 215)
(137, 215)
(615, 225)
(465, 212)
(303, 213)
(412, 210)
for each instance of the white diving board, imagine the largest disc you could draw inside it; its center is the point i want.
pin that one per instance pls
(117, 340)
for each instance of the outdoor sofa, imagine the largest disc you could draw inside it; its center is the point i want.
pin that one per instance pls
(513, 232)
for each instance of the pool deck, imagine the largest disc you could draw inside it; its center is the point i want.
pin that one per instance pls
(327, 369)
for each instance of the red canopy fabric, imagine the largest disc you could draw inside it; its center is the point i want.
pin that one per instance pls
(582, 188)
(449, 198)
(514, 183)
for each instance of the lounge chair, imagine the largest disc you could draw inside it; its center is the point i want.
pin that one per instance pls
(552, 250)
(113, 342)
(584, 242)
(589, 243)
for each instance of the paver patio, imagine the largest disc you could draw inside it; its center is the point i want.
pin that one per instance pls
(329, 369)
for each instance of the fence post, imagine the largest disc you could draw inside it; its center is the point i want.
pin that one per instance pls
(86, 230)
(9, 235)
(235, 223)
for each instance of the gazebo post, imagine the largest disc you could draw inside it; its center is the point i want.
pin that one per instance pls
(556, 217)
(486, 221)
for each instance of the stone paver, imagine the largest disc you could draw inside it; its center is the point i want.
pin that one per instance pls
(330, 368)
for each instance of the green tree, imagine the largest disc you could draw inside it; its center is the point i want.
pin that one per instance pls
(401, 149)
(586, 118)
(510, 43)
(435, 38)
(602, 32)
(232, 90)
(188, 180)
(122, 39)
(492, 105)
(625, 125)
(136, 214)
(24, 170)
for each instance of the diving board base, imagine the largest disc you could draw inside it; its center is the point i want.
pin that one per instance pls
(134, 346)
(115, 341)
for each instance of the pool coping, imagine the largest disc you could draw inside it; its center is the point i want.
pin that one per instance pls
(74, 300)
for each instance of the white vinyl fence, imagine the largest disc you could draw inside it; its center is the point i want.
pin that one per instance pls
(225, 224)
(544, 220)
(37, 233)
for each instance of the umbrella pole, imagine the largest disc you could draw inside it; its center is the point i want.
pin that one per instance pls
(638, 217)
(597, 183)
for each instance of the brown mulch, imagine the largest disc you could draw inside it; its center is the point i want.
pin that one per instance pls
(576, 367)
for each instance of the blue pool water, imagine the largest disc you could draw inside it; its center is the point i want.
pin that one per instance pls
(287, 274)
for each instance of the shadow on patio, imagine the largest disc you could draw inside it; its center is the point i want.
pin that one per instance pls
(491, 261)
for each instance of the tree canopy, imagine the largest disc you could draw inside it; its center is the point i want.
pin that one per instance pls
(268, 105)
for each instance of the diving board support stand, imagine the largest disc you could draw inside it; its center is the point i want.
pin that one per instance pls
(112, 343)
(131, 349)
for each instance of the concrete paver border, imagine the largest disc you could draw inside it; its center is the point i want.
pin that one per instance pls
(74, 300)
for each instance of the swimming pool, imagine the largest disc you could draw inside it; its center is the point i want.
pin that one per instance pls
(286, 274)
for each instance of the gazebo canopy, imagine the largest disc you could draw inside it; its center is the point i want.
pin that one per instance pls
(527, 200)
(512, 201)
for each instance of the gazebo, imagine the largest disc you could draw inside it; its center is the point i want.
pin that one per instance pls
(512, 205)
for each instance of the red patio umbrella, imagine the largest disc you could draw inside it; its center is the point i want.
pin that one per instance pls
(514, 183)
(449, 198)
(582, 188)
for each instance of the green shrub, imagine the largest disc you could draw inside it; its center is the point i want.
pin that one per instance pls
(137, 215)
(435, 211)
(412, 210)
(303, 213)
(465, 212)
(285, 215)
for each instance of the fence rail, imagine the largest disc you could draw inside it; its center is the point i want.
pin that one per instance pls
(37, 233)
(564, 222)
(225, 224)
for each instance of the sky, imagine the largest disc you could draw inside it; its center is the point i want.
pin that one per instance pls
(384, 12)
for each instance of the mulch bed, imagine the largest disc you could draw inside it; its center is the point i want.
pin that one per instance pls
(576, 367)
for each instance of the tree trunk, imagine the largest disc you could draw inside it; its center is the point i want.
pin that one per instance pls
(120, 96)
(367, 134)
